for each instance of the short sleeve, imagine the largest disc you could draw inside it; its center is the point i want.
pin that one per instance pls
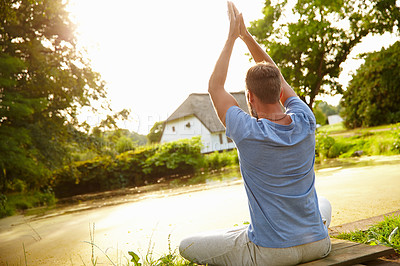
(237, 124)
(296, 106)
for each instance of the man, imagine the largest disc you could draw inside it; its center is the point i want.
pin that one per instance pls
(276, 148)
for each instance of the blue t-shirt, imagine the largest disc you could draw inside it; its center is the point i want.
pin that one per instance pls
(277, 166)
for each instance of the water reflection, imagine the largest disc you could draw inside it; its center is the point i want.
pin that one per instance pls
(164, 188)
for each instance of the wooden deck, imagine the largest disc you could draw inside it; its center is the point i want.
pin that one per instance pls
(351, 253)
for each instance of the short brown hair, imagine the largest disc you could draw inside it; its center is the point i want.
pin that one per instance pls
(264, 80)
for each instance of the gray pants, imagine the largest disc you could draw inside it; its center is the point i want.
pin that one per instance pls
(233, 247)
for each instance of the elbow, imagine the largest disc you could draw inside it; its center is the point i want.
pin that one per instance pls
(211, 85)
(210, 89)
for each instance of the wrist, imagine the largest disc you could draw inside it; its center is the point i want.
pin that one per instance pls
(246, 36)
(231, 39)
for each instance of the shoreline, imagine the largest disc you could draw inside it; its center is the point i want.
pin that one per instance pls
(362, 224)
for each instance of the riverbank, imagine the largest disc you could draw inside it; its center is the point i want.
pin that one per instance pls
(149, 220)
(365, 225)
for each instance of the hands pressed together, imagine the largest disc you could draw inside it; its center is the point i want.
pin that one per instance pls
(237, 27)
(223, 100)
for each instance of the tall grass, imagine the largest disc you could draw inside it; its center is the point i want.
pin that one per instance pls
(172, 258)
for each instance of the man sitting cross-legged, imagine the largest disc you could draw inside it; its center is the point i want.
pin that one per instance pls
(276, 147)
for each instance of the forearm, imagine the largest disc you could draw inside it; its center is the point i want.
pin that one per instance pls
(218, 77)
(257, 52)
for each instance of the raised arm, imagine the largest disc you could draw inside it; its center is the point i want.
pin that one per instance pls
(221, 99)
(259, 55)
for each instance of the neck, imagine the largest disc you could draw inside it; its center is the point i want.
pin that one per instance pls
(270, 111)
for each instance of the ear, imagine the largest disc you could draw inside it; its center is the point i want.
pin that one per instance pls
(281, 94)
(250, 96)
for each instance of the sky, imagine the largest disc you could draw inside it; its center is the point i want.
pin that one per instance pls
(152, 54)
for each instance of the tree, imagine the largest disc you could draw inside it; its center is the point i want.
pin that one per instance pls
(373, 95)
(322, 110)
(156, 131)
(310, 50)
(44, 81)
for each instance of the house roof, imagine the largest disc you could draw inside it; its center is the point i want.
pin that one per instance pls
(200, 105)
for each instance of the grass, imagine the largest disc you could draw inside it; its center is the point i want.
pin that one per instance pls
(335, 128)
(335, 142)
(385, 233)
(170, 259)
(339, 128)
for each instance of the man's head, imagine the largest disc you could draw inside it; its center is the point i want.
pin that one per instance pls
(264, 81)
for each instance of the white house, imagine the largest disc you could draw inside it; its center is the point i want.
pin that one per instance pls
(196, 117)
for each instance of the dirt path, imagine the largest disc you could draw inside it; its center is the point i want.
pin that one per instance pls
(355, 193)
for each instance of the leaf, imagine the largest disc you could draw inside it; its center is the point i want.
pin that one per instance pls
(135, 258)
(392, 234)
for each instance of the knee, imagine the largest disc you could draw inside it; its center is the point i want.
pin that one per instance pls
(185, 248)
(325, 208)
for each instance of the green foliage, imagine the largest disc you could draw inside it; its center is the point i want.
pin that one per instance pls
(322, 110)
(310, 50)
(323, 144)
(14, 202)
(372, 141)
(218, 160)
(383, 233)
(131, 168)
(135, 258)
(373, 95)
(396, 143)
(156, 131)
(176, 157)
(124, 144)
(169, 259)
(109, 143)
(44, 81)
(320, 117)
(335, 128)
(328, 109)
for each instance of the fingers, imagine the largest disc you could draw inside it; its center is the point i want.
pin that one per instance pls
(231, 12)
(234, 30)
(242, 26)
(235, 10)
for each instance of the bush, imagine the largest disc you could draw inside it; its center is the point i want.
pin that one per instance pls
(217, 160)
(177, 157)
(131, 168)
(338, 149)
(323, 143)
(12, 203)
(396, 143)
(374, 141)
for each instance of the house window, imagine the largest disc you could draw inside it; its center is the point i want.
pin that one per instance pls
(188, 125)
(221, 140)
(173, 129)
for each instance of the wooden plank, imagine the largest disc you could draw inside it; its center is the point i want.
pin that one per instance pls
(339, 244)
(350, 253)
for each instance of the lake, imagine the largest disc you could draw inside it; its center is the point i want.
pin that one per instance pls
(157, 218)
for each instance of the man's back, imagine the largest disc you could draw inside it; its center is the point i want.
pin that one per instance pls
(277, 165)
